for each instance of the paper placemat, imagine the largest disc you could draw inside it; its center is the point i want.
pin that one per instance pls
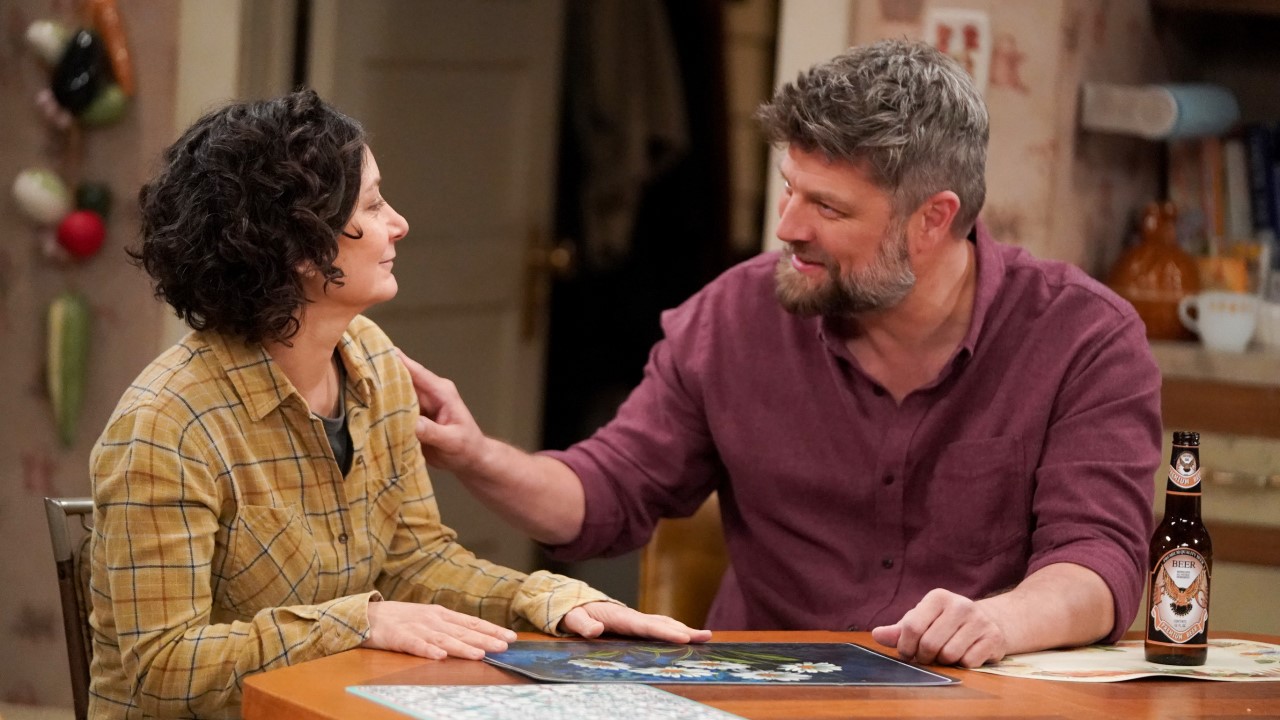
(1230, 660)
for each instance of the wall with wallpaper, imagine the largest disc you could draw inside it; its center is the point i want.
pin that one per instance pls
(126, 329)
(1058, 192)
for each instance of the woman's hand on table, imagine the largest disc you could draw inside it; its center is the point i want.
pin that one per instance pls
(432, 631)
(596, 618)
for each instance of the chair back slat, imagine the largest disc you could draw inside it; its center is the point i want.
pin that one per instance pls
(73, 579)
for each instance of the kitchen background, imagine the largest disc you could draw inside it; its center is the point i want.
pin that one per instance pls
(1053, 188)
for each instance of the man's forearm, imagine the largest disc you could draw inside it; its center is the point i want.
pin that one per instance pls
(1060, 605)
(539, 495)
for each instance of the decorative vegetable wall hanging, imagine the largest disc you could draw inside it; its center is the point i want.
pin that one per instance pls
(90, 84)
(67, 360)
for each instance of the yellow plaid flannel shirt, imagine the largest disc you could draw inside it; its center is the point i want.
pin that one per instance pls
(227, 542)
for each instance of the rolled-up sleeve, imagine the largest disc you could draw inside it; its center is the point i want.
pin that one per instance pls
(657, 457)
(1094, 485)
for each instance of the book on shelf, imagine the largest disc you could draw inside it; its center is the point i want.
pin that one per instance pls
(1260, 147)
(1227, 191)
(1186, 191)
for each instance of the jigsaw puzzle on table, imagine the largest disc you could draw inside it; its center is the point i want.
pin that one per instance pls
(718, 663)
(537, 702)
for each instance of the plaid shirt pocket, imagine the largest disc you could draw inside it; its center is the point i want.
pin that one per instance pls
(273, 560)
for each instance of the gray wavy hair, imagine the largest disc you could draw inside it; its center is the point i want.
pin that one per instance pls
(906, 113)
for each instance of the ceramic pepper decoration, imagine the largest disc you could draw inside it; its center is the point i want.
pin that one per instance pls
(92, 76)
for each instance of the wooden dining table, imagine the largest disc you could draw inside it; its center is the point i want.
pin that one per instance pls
(317, 690)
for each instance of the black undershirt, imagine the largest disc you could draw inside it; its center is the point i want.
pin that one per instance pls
(336, 427)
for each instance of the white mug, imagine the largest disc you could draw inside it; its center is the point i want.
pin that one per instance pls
(1224, 320)
(1268, 332)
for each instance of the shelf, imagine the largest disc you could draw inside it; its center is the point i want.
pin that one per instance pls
(1190, 361)
(1230, 393)
(1220, 7)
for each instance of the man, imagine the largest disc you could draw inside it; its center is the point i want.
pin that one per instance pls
(911, 427)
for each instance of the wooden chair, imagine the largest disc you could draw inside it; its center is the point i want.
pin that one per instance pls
(681, 567)
(73, 586)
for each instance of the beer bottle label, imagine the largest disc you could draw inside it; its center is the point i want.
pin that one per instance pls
(1185, 471)
(1179, 598)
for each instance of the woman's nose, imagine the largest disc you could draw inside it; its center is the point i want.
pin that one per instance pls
(400, 225)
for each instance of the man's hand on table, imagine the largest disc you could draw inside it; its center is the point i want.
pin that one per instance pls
(947, 629)
(432, 631)
(594, 619)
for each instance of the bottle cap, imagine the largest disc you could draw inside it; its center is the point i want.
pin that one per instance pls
(1186, 437)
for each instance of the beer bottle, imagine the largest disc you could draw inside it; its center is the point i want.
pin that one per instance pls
(1181, 561)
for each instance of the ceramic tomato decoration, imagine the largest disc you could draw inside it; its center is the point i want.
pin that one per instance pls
(81, 233)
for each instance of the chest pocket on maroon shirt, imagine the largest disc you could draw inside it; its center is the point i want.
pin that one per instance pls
(273, 560)
(978, 499)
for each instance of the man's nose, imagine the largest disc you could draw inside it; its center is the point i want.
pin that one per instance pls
(792, 225)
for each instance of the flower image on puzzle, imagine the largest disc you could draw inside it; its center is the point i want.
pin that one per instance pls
(712, 664)
(599, 664)
(775, 675)
(810, 667)
(672, 671)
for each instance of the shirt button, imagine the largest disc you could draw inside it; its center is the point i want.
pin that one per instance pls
(887, 563)
(342, 538)
(854, 628)
(887, 480)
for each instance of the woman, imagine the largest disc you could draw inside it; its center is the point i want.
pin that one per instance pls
(260, 497)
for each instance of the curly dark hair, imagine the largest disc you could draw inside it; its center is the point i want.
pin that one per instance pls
(904, 111)
(250, 194)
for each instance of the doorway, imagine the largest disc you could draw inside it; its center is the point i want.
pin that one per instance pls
(440, 133)
(604, 315)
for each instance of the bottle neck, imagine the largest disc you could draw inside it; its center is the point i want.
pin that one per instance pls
(1181, 503)
(1182, 489)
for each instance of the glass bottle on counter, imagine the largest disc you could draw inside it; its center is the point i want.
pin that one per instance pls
(1181, 562)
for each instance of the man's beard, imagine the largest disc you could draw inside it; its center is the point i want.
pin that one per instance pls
(881, 285)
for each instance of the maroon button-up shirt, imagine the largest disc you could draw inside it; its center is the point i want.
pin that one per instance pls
(1036, 444)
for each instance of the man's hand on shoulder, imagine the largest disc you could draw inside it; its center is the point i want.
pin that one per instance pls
(542, 497)
(947, 629)
(450, 437)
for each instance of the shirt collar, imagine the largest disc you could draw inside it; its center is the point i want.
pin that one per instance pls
(360, 374)
(989, 275)
(260, 383)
